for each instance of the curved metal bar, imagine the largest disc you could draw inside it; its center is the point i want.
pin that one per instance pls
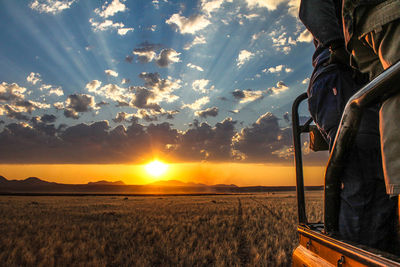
(379, 88)
(297, 130)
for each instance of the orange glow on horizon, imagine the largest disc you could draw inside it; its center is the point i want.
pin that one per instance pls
(241, 174)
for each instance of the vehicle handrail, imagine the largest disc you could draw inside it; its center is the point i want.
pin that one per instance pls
(297, 130)
(386, 84)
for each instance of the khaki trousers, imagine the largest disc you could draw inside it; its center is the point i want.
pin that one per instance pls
(375, 46)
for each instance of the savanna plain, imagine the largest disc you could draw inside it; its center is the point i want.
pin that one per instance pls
(204, 230)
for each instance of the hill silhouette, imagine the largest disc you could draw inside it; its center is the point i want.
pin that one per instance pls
(36, 185)
(103, 182)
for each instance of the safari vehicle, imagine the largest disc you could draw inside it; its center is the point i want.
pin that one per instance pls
(319, 245)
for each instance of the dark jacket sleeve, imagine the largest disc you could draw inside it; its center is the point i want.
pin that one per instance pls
(319, 17)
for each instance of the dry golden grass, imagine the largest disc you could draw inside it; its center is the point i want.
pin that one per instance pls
(230, 230)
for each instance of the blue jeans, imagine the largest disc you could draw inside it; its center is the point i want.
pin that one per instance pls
(367, 214)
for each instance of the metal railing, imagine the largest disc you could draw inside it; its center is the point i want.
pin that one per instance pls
(297, 131)
(386, 84)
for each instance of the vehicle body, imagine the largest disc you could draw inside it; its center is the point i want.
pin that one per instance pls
(319, 245)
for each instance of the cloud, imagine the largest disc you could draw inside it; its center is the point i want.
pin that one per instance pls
(188, 25)
(11, 92)
(124, 31)
(243, 57)
(251, 16)
(287, 70)
(305, 36)
(198, 103)
(200, 86)
(148, 115)
(33, 78)
(41, 142)
(258, 141)
(256, 36)
(145, 99)
(80, 102)
(153, 115)
(145, 56)
(204, 142)
(13, 112)
(169, 114)
(147, 53)
(52, 90)
(293, 8)
(212, 112)
(161, 88)
(196, 41)
(93, 85)
(111, 9)
(76, 103)
(111, 91)
(46, 118)
(29, 105)
(111, 73)
(146, 46)
(269, 4)
(166, 57)
(51, 6)
(245, 96)
(280, 40)
(238, 94)
(210, 6)
(58, 105)
(16, 104)
(105, 25)
(192, 66)
(109, 25)
(243, 17)
(102, 103)
(122, 116)
(125, 81)
(56, 91)
(280, 87)
(278, 69)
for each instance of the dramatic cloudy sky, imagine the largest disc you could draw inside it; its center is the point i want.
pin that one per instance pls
(95, 82)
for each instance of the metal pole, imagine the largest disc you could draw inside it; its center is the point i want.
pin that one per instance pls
(297, 130)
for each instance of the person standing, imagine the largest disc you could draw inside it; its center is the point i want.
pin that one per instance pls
(367, 214)
(372, 35)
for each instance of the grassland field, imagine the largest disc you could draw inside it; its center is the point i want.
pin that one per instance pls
(213, 230)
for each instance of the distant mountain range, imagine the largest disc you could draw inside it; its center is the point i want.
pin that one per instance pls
(36, 185)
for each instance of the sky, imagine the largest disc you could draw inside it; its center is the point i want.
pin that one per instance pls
(201, 85)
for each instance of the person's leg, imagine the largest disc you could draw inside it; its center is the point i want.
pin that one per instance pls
(323, 106)
(375, 48)
(380, 48)
(327, 97)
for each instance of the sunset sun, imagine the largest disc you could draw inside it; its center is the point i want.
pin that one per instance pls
(156, 168)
